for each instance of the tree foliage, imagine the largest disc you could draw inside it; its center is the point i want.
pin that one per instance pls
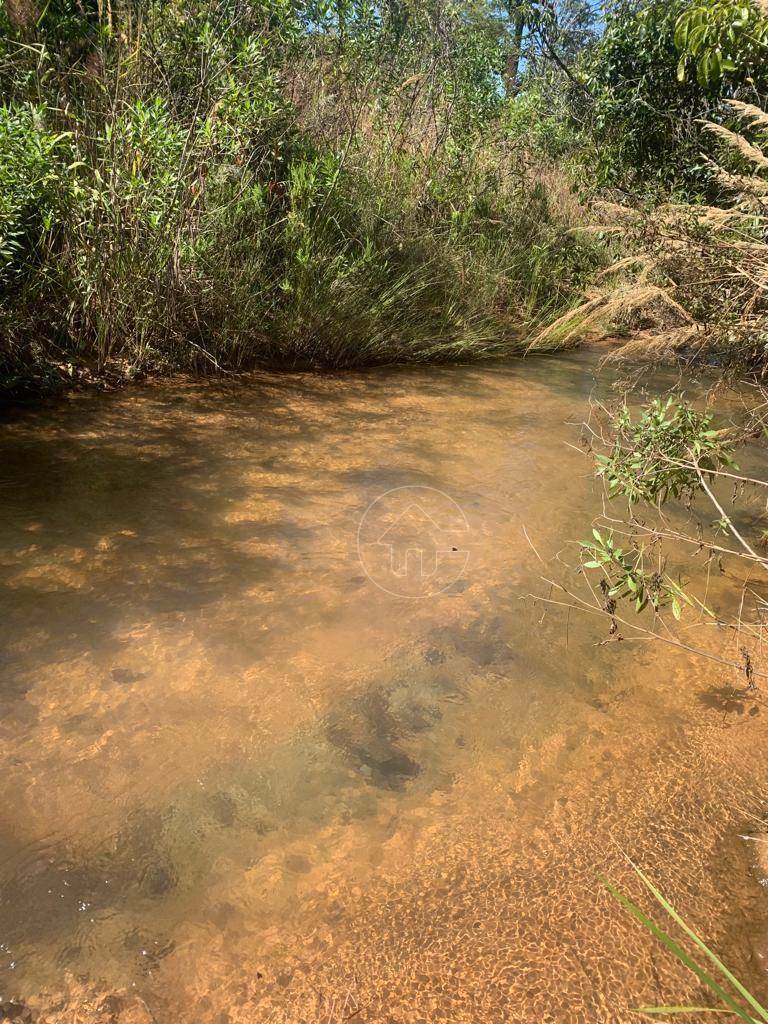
(642, 129)
(644, 125)
(727, 42)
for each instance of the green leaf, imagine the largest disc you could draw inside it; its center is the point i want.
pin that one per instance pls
(678, 951)
(716, 71)
(745, 993)
(696, 43)
(681, 31)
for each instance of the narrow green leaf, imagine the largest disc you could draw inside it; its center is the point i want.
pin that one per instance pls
(681, 31)
(761, 1010)
(677, 950)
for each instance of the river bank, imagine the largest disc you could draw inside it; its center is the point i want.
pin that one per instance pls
(68, 378)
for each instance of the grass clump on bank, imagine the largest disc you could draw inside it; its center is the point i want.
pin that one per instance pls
(676, 131)
(218, 184)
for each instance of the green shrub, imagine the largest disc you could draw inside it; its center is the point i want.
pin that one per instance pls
(34, 188)
(642, 129)
(219, 184)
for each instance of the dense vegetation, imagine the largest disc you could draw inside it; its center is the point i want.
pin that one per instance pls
(215, 184)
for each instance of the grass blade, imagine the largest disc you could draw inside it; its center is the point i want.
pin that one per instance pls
(743, 992)
(681, 954)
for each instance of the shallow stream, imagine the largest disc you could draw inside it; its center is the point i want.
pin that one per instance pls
(284, 738)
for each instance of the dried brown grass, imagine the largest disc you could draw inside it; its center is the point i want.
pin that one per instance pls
(735, 141)
(696, 276)
(632, 302)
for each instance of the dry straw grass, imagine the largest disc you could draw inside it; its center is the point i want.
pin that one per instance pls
(698, 278)
(751, 153)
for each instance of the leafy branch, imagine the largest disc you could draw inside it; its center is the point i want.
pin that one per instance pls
(624, 577)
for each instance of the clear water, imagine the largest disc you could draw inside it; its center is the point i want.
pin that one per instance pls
(254, 769)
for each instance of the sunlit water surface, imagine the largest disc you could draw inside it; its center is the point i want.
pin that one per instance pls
(242, 782)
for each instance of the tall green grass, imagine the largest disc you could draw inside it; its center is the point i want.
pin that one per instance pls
(218, 184)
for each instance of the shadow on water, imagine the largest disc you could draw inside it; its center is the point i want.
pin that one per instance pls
(116, 514)
(208, 711)
(127, 495)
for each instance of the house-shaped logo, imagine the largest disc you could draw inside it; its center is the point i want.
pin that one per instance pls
(416, 544)
(412, 541)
